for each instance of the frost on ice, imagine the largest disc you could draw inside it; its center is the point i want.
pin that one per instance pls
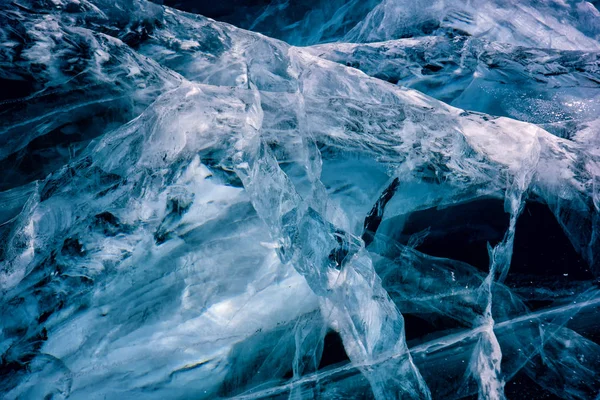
(406, 207)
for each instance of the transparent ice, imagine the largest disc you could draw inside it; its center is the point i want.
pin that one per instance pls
(387, 199)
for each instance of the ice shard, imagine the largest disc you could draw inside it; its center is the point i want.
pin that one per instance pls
(382, 199)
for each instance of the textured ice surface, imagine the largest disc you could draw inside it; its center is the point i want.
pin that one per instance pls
(541, 23)
(193, 210)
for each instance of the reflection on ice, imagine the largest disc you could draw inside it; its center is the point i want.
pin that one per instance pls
(192, 210)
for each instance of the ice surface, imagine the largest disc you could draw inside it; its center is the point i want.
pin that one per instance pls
(193, 210)
(542, 86)
(567, 25)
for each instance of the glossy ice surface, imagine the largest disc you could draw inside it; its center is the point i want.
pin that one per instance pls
(379, 199)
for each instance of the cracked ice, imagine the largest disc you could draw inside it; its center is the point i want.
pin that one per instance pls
(305, 200)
